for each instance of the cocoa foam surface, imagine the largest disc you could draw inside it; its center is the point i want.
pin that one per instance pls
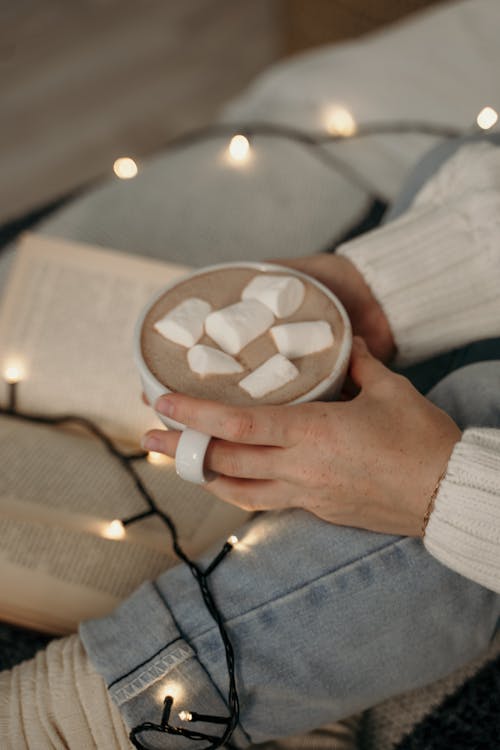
(221, 287)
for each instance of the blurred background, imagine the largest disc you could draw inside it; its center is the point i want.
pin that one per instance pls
(87, 81)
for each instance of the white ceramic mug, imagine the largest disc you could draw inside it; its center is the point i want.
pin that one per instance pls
(192, 446)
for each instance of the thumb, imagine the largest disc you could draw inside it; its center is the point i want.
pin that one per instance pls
(364, 369)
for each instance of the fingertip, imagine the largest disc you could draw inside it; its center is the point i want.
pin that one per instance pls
(165, 405)
(160, 441)
(179, 405)
(151, 441)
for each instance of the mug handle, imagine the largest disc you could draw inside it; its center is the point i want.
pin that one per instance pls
(190, 457)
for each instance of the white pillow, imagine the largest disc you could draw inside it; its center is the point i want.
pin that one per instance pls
(190, 206)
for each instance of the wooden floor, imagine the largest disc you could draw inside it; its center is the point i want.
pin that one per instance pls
(312, 22)
(86, 81)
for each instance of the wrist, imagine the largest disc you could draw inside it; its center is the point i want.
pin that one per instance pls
(447, 445)
(431, 502)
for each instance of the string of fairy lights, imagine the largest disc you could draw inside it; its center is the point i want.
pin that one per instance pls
(116, 529)
(338, 124)
(341, 125)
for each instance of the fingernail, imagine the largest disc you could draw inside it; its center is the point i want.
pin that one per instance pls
(165, 406)
(150, 443)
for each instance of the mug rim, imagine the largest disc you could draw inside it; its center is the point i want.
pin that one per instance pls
(317, 391)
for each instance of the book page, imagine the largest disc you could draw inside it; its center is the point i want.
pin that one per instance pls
(68, 317)
(59, 491)
(34, 599)
(63, 478)
(53, 578)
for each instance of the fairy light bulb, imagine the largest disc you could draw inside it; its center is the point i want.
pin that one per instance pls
(339, 121)
(173, 690)
(13, 373)
(185, 715)
(233, 540)
(114, 530)
(487, 118)
(158, 459)
(239, 148)
(125, 168)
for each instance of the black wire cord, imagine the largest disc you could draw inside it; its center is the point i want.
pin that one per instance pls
(315, 144)
(127, 462)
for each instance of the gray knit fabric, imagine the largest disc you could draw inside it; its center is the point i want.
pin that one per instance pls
(191, 206)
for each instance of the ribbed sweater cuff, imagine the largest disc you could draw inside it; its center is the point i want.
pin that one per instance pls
(464, 528)
(434, 274)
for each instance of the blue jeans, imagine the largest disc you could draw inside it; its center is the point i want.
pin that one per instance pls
(325, 621)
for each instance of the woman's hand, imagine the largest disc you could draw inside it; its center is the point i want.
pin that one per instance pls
(372, 462)
(345, 281)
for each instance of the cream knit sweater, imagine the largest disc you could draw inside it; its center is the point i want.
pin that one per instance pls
(436, 273)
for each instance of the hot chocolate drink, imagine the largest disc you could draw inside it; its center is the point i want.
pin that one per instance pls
(166, 356)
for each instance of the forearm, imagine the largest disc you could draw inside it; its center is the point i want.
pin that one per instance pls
(436, 275)
(436, 270)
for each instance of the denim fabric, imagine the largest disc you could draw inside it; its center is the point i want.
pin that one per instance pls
(426, 375)
(325, 621)
(472, 394)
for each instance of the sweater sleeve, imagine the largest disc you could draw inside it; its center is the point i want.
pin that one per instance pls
(436, 273)
(436, 270)
(464, 528)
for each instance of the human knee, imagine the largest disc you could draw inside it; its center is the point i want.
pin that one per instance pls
(471, 395)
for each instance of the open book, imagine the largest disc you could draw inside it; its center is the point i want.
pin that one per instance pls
(66, 321)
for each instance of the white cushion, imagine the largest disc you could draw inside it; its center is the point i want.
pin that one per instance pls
(190, 206)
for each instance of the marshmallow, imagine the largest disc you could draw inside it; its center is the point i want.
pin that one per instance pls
(235, 326)
(274, 373)
(298, 339)
(282, 294)
(205, 360)
(184, 324)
